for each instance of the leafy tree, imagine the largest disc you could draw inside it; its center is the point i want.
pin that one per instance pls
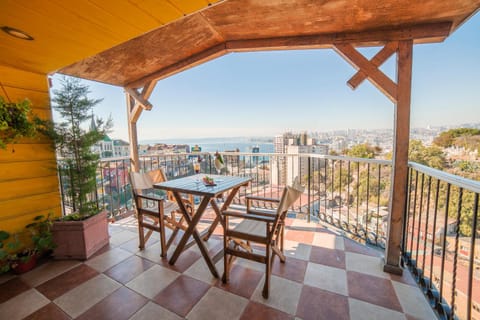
(75, 143)
(448, 138)
(363, 150)
(430, 156)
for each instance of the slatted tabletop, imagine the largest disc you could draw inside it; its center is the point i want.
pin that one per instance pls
(194, 184)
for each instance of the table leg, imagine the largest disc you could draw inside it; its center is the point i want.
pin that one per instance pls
(218, 212)
(192, 223)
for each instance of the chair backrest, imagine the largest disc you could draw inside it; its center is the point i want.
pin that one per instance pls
(146, 180)
(290, 194)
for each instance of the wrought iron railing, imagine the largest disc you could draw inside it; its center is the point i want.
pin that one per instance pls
(351, 194)
(440, 240)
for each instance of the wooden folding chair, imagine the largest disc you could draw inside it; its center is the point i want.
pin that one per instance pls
(261, 227)
(156, 212)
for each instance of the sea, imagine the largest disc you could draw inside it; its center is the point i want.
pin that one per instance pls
(265, 145)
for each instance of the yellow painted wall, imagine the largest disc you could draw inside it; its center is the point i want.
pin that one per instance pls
(28, 176)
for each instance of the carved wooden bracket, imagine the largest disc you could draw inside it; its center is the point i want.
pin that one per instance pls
(370, 68)
(140, 100)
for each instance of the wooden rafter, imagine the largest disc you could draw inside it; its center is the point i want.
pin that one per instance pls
(141, 100)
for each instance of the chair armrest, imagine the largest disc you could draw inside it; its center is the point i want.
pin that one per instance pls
(248, 216)
(274, 200)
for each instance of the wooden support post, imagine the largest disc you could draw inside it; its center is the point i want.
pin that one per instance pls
(398, 190)
(136, 103)
(132, 134)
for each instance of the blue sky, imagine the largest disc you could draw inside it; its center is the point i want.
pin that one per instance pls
(265, 93)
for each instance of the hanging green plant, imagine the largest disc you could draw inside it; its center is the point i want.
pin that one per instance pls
(16, 121)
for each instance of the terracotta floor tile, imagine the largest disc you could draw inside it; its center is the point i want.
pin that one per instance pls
(57, 286)
(299, 236)
(121, 304)
(328, 257)
(356, 247)
(372, 289)
(258, 311)
(49, 312)
(293, 269)
(131, 245)
(318, 304)
(406, 278)
(128, 269)
(242, 282)
(11, 288)
(184, 261)
(181, 295)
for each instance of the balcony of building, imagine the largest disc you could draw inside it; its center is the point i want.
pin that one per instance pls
(335, 240)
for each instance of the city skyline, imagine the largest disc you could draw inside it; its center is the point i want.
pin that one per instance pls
(266, 93)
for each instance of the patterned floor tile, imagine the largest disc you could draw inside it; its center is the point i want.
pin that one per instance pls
(120, 305)
(11, 288)
(49, 312)
(22, 305)
(326, 278)
(284, 294)
(242, 281)
(328, 241)
(57, 286)
(152, 311)
(258, 311)
(128, 269)
(299, 236)
(78, 300)
(319, 304)
(119, 238)
(108, 259)
(185, 261)
(152, 281)
(329, 257)
(199, 270)
(48, 271)
(353, 246)
(293, 269)
(372, 289)
(360, 310)
(297, 250)
(365, 264)
(218, 304)
(410, 298)
(181, 295)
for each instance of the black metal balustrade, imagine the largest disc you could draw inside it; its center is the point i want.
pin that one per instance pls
(351, 194)
(440, 240)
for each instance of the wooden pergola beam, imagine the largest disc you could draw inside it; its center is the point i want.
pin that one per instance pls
(377, 77)
(434, 32)
(382, 56)
(190, 62)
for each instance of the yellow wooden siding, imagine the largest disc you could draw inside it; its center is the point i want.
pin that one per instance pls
(19, 188)
(28, 178)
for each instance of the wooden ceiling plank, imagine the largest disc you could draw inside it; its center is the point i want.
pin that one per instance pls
(190, 62)
(382, 56)
(377, 77)
(144, 104)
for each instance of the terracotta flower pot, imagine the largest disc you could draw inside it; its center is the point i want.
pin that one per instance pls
(20, 267)
(80, 239)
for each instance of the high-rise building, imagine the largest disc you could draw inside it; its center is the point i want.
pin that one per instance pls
(291, 164)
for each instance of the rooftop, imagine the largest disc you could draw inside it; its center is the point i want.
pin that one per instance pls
(326, 276)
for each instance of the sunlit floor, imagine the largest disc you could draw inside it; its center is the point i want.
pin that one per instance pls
(326, 276)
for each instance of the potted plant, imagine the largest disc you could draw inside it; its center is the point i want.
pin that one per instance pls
(21, 256)
(84, 231)
(16, 121)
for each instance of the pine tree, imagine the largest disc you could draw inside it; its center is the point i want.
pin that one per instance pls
(74, 144)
